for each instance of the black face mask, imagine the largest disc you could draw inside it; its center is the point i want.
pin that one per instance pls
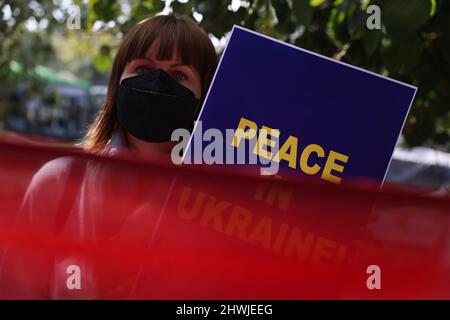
(152, 105)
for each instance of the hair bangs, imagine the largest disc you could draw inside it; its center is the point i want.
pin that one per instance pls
(173, 38)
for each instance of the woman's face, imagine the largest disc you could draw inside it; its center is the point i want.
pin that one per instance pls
(186, 75)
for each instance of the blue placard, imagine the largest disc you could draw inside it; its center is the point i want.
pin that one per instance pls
(329, 109)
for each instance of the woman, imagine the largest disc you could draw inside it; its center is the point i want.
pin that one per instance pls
(159, 78)
(179, 48)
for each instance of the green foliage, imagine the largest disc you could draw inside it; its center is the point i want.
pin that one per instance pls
(412, 46)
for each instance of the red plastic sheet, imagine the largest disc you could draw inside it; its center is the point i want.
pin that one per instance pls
(146, 229)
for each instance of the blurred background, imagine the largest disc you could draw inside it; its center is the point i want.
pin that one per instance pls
(55, 57)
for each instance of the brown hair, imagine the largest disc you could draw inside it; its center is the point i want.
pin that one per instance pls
(172, 33)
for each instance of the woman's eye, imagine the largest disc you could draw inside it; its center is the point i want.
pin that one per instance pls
(180, 76)
(142, 70)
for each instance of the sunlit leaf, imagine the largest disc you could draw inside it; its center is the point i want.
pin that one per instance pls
(316, 3)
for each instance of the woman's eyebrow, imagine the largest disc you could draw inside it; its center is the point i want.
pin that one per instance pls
(179, 64)
(176, 64)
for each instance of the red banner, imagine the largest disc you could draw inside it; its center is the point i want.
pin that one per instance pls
(75, 225)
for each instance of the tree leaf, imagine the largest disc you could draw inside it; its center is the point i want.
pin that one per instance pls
(302, 11)
(401, 17)
(371, 40)
(315, 3)
(402, 55)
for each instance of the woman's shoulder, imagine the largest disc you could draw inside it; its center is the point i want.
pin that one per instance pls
(46, 189)
(54, 170)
